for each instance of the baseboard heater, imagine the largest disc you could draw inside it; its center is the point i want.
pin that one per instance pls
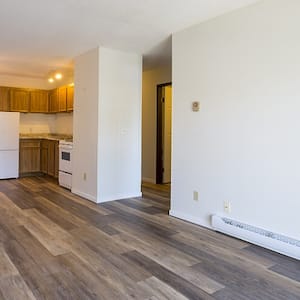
(261, 237)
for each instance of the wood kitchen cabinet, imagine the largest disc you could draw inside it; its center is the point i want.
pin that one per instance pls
(49, 157)
(44, 156)
(62, 99)
(29, 160)
(70, 98)
(58, 100)
(53, 100)
(4, 98)
(39, 101)
(19, 100)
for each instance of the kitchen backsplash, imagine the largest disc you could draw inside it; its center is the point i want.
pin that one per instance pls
(64, 123)
(45, 123)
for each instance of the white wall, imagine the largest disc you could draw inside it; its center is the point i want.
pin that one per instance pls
(243, 146)
(37, 123)
(64, 123)
(34, 82)
(24, 82)
(107, 125)
(85, 124)
(151, 79)
(119, 145)
(61, 123)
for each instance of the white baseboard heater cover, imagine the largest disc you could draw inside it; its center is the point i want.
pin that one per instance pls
(261, 237)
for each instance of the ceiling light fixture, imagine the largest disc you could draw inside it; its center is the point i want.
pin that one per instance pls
(58, 76)
(54, 75)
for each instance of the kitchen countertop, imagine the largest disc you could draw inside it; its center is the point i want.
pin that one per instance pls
(46, 136)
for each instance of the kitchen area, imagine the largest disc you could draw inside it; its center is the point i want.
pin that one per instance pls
(36, 132)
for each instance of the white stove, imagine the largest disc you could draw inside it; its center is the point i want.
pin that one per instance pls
(65, 164)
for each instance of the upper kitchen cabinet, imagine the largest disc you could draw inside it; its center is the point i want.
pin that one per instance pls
(39, 101)
(58, 100)
(70, 98)
(53, 100)
(62, 98)
(19, 100)
(4, 98)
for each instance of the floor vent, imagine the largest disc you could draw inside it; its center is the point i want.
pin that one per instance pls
(268, 239)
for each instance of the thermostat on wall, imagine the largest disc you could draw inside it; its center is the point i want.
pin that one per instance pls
(195, 106)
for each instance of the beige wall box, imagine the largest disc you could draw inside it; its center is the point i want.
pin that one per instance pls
(195, 106)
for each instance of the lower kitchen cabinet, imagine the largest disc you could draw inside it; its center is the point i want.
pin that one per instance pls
(49, 157)
(39, 156)
(29, 159)
(44, 156)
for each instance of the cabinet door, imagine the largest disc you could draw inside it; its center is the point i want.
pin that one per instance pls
(4, 98)
(53, 100)
(19, 100)
(70, 98)
(39, 101)
(51, 158)
(56, 159)
(44, 156)
(29, 156)
(62, 99)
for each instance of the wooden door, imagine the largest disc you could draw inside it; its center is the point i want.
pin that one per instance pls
(56, 159)
(62, 99)
(70, 98)
(44, 156)
(19, 100)
(39, 101)
(29, 161)
(167, 133)
(51, 158)
(4, 98)
(53, 100)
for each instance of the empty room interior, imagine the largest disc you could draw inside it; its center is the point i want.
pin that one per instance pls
(149, 149)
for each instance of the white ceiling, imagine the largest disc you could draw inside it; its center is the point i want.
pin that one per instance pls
(38, 36)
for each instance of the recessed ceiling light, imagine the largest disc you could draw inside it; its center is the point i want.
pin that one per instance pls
(58, 76)
(51, 79)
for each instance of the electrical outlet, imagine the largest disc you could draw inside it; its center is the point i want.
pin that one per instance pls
(195, 196)
(227, 207)
(84, 176)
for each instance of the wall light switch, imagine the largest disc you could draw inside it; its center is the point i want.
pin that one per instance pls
(227, 207)
(195, 196)
(195, 106)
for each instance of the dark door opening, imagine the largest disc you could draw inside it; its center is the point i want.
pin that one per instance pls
(164, 133)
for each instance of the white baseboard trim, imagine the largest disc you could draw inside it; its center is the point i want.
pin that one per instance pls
(190, 219)
(120, 197)
(84, 195)
(148, 180)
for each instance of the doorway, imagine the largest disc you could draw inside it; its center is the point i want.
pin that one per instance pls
(164, 133)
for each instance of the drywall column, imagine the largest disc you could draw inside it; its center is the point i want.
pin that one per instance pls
(85, 125)
(107, 125)
(243, 145)
(119, 139)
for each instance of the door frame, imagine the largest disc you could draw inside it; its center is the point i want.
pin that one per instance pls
(159, 133)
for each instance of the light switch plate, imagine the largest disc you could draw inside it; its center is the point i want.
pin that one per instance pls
(195, 106)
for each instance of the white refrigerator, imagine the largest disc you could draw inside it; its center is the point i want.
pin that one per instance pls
(9, 144)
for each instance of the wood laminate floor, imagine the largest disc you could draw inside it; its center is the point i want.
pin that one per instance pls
(55, 245)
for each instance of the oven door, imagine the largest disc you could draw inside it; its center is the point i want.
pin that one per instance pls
(65, 159)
